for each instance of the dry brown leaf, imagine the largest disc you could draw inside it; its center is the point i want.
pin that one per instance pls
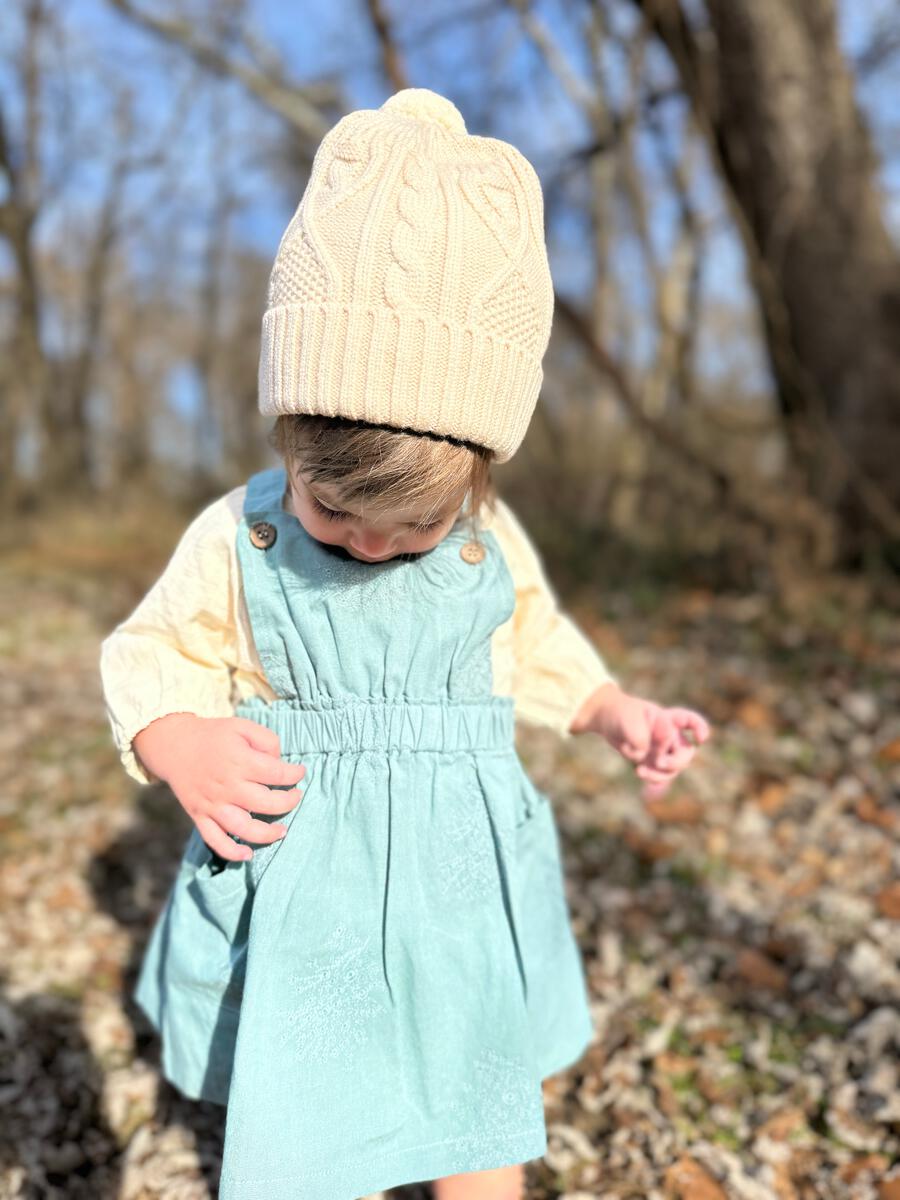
(687, 1180)
(679, 810)
(888, 901)
(759, 970)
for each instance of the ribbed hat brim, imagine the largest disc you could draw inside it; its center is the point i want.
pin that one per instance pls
(392, 368)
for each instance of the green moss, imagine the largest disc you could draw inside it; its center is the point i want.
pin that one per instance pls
(684, 872)
(679, 1042)
(106, 981)
(685, 1127)
(813, 1025)
(684, 1083)
(66, 989)
(732, 754)
(716, 868)
(762, 1083)
(733, 1083)
(725, 1137)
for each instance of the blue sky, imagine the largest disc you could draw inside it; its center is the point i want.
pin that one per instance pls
(316, 40)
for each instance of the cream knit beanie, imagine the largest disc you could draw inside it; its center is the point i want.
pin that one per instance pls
(411, 287)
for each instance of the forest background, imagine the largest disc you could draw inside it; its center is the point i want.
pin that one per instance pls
(711, 475)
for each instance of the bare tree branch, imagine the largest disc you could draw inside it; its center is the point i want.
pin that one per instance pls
(725, 487)
(286, 98)
(883, 46)
(390, 55)
(581, 93)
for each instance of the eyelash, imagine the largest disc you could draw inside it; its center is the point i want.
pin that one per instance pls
(334, 514)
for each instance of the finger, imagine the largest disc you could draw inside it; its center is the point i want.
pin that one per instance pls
(663, 738)
(654, 791)
(259, 737)
(263, 768)
(635, 736)
(637, 726)
(654, 774)
(688, 721)
(679, 758)
(256, 797)
(238, 822)
(220, 842)
(636, 751)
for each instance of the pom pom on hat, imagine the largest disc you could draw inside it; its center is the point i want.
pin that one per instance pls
(425, 105)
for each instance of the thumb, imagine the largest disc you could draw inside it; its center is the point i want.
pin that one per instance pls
(635, 734)
(635, 751)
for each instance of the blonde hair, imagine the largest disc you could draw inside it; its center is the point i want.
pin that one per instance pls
(386, 467)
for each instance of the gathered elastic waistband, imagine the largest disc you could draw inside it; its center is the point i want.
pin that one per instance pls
(382, 725)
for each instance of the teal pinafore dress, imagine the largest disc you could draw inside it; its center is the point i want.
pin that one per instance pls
(377, 995)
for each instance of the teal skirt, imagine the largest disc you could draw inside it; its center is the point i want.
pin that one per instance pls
(378, 995)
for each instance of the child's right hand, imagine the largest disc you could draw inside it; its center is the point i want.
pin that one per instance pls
(221, 769)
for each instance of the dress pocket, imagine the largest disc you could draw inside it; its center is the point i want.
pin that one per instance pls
(222, 889)
(532, 804)
(542, 887)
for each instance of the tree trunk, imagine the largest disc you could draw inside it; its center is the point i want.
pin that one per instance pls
(776, 100)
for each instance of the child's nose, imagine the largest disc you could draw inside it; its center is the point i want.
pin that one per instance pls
(371, 542)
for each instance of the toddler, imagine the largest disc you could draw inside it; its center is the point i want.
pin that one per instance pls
(374, 971)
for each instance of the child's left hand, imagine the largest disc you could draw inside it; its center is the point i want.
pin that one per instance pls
(660, 741)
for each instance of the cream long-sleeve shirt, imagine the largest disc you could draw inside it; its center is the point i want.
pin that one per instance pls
(188, 646)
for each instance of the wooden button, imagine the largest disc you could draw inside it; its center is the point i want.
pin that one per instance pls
(472, 552)
(263, 534)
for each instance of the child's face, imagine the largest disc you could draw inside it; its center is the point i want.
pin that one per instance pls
(375, 539)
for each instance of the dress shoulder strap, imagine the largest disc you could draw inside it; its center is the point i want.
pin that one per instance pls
(264, 491)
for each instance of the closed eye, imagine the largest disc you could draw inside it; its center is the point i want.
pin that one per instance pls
(333, 514)
(336, 514)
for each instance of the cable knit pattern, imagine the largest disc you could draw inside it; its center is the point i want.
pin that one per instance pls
(411, 287)
(405, 279)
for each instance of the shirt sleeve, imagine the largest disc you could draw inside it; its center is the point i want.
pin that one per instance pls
(556, 666)
(175, 652)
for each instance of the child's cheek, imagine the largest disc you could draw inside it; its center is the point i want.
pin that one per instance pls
(324, 531)
(321, 528)
(424, 541)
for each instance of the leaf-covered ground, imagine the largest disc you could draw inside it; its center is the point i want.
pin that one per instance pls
(741, 937)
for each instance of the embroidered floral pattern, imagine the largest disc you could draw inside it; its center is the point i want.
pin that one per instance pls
(336, 997)
(472, 679)
(468, 869)
(502, 1098)
(474, 835)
